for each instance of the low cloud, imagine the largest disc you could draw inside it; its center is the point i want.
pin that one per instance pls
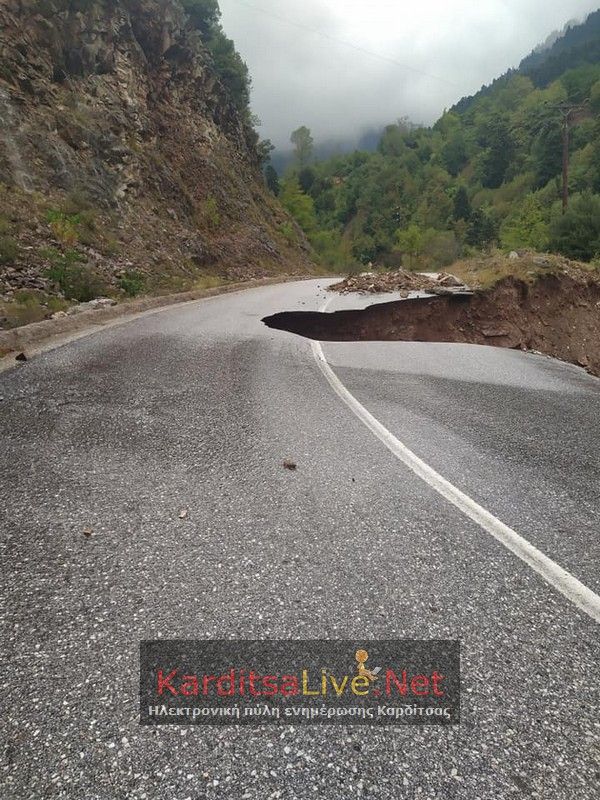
(343, 66)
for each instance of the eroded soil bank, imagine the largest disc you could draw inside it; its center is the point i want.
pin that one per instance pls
(556, 314)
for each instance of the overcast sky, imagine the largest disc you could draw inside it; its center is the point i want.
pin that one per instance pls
(311, 60)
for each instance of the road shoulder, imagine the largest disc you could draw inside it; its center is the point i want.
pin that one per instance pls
(39, 337)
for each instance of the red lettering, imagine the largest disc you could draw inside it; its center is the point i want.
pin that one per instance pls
(401, 685)
(190, 687)
(436, 679)
(230, 680)
(165, 683)
(269, 683)
(289, 686)
(419, 685)
(251, 678)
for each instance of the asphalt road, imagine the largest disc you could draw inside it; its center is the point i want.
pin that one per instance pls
(196, 408)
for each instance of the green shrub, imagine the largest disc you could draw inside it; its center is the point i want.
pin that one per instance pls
(210, 213)
(65, 231)
(300, 205)
(75, 280)
(204, 14)
(9, 250)
(576, 234)
(288, 232)
(333, 252)
(26, 297)
(70, 227)
(30, 305)
(110, 246)
(526, 226)
(440, 248)
(63, 226)
(56, 304)
(132, 283)
(87, 228)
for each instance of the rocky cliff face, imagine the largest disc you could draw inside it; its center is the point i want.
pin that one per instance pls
(122, 155)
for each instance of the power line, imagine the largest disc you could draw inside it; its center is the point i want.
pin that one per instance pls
(343, 42)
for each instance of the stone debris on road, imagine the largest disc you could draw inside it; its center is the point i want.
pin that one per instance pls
(291, 465)
(401, 281)
(91, 305)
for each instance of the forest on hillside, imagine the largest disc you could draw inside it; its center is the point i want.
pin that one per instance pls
(487, 174)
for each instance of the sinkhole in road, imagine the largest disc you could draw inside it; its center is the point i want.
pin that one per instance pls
(408, 320)
(554, 316)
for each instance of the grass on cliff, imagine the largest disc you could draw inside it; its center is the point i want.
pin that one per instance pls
(485, 271)
(75, 279)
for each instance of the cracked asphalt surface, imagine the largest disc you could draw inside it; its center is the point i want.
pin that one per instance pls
(196, 408)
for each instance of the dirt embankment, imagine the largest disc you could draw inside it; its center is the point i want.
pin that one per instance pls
(557, 314)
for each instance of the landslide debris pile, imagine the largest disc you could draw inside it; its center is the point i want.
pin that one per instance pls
(126, 165)
(399, 280)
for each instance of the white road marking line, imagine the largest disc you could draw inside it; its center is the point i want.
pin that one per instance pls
(561, 580)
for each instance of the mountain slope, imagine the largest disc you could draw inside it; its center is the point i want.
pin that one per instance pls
(488, 173)
(579, 44)
(125, 161)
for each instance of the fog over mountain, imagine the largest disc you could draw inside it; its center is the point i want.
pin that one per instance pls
(342, 67)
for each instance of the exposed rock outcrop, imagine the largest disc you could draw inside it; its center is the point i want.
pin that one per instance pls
(119, 142)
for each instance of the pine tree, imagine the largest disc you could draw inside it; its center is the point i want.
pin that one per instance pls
(462, 205)
(272, 180)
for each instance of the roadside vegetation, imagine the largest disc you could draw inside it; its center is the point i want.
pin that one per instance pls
(487, 175)
(205, 16)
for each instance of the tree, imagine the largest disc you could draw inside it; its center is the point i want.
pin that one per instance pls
(579, 82)
(547, 154)
(462, 204)
(306, 179)
(304, 144)
(496, 138)
(392, 143)
(595, 98)
(454, 154)
(204, 14)
(595, 158)
(410, 241)
(272, 180)
(440, 248)
(231, 68)
(448, 123)
(365, 249)
(299, 205)
(482, 230)
(264, 148)
(488, 171)
(576, 233)
(526, 227)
